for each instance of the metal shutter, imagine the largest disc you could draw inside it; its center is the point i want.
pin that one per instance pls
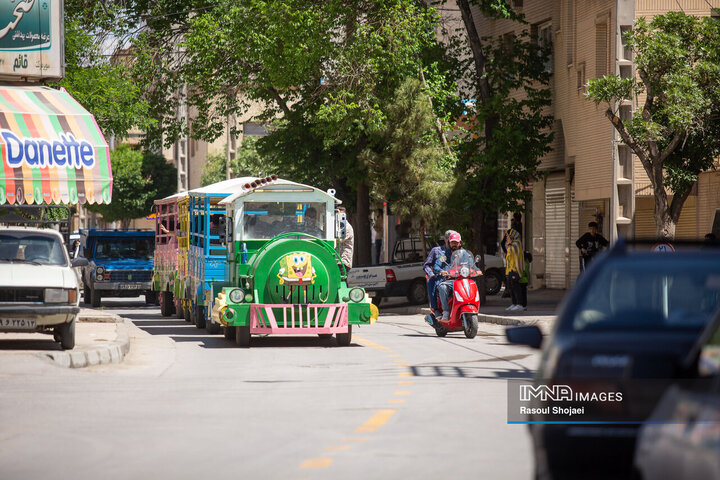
(574, 235)
(555, 232)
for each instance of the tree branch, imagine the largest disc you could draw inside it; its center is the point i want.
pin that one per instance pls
(280, 101)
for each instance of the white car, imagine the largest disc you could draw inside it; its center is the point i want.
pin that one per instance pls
(38, 287)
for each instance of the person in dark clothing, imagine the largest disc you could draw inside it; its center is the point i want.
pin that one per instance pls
(590, 244)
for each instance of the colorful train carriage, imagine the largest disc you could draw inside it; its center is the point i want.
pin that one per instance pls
(284, 275)
(170, 242)
(207, 251)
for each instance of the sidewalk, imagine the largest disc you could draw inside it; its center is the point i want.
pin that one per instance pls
(542, 307)
(100, 338)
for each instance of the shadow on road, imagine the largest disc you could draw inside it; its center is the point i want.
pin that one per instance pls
(469, 372)
(38, 343)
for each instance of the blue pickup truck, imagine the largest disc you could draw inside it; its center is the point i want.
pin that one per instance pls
(120, 264)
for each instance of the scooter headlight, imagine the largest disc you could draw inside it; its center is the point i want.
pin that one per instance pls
(465, 271)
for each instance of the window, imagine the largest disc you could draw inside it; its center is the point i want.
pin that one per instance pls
(545, 41)
(601, 48)
(254, 129)
(581, 77)
(570, 30)
(265, 220)
(626, 50)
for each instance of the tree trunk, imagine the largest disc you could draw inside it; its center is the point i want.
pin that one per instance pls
(478, 229)
(125, 223)
(362, 230)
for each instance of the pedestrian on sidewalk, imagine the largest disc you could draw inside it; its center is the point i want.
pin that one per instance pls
(590, 244)
(514, 269)
(515, 224)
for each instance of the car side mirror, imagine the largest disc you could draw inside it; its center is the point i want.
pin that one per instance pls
(530, 336)
(79, 262)
(341, 225)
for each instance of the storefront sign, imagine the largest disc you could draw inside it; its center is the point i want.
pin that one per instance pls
(31, 39)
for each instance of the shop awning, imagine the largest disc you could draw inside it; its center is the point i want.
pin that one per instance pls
(52, 149)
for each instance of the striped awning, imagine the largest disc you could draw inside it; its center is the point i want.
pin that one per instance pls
(52, 149)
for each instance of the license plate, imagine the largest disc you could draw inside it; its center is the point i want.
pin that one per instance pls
(17, 323)
(130, 286)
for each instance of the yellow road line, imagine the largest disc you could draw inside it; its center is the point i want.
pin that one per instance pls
(396, 400)
(402, 366)
(405, 383)
(399, 361)
(405, 374)
(320, 462)
(368, 343)
(403, 392)
(394, 355)
(376, 421)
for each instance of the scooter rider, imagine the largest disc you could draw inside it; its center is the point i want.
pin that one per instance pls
(438, 260)
(445, 287)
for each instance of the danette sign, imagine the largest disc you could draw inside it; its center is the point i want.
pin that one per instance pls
(31, 39)
(67, 151)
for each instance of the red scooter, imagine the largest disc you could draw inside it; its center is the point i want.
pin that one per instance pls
(464, 302)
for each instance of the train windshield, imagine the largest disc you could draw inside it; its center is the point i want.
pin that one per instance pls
(265, 220)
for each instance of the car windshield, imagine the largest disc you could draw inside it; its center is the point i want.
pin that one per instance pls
(265, 220)
(650, 293)
(462, 257)
(137, 248)
(23, 247)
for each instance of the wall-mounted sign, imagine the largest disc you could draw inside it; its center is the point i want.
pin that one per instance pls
(31, 39)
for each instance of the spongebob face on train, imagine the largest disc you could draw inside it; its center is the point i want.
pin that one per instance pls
(296, 269)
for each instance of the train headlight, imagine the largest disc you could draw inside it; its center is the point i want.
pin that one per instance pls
(248, 297)
(357, 295)
(237, 295)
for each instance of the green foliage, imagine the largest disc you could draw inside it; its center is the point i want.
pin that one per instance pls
(247, 163)
(105, 89)
(407, 160)
(138, 180)
(505, 136)
(678, 62)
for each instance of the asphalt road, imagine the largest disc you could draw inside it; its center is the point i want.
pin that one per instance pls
(398, 403)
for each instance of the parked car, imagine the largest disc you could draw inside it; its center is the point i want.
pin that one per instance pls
(404, 276)
(682, 436)
(633, 314)
(38, 287)
(120, 264)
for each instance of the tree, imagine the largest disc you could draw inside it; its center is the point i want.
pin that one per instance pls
(248, 163)
(138, 180)
(506, 136)
(105, 89)
(676, 135)
(409, 166)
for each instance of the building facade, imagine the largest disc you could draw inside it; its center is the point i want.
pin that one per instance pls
(590, 175)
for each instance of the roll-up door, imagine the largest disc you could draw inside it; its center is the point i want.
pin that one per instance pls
(555, 232)
(574, 235)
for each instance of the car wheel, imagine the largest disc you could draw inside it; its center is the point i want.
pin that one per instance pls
(212, 327)
(166, 303)
(242, 336)
(95, 298)
(200, 316)
(86, 296)
(179, 313)
(229, 332)
(493, 282)
(472, 327)
(418, 292)
(67, 335)
(343, 339)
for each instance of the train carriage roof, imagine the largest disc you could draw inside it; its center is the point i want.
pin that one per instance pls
(279, 185)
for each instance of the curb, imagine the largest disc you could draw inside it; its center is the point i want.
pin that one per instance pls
(500, 320)
(95, 316)
(112, 352)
